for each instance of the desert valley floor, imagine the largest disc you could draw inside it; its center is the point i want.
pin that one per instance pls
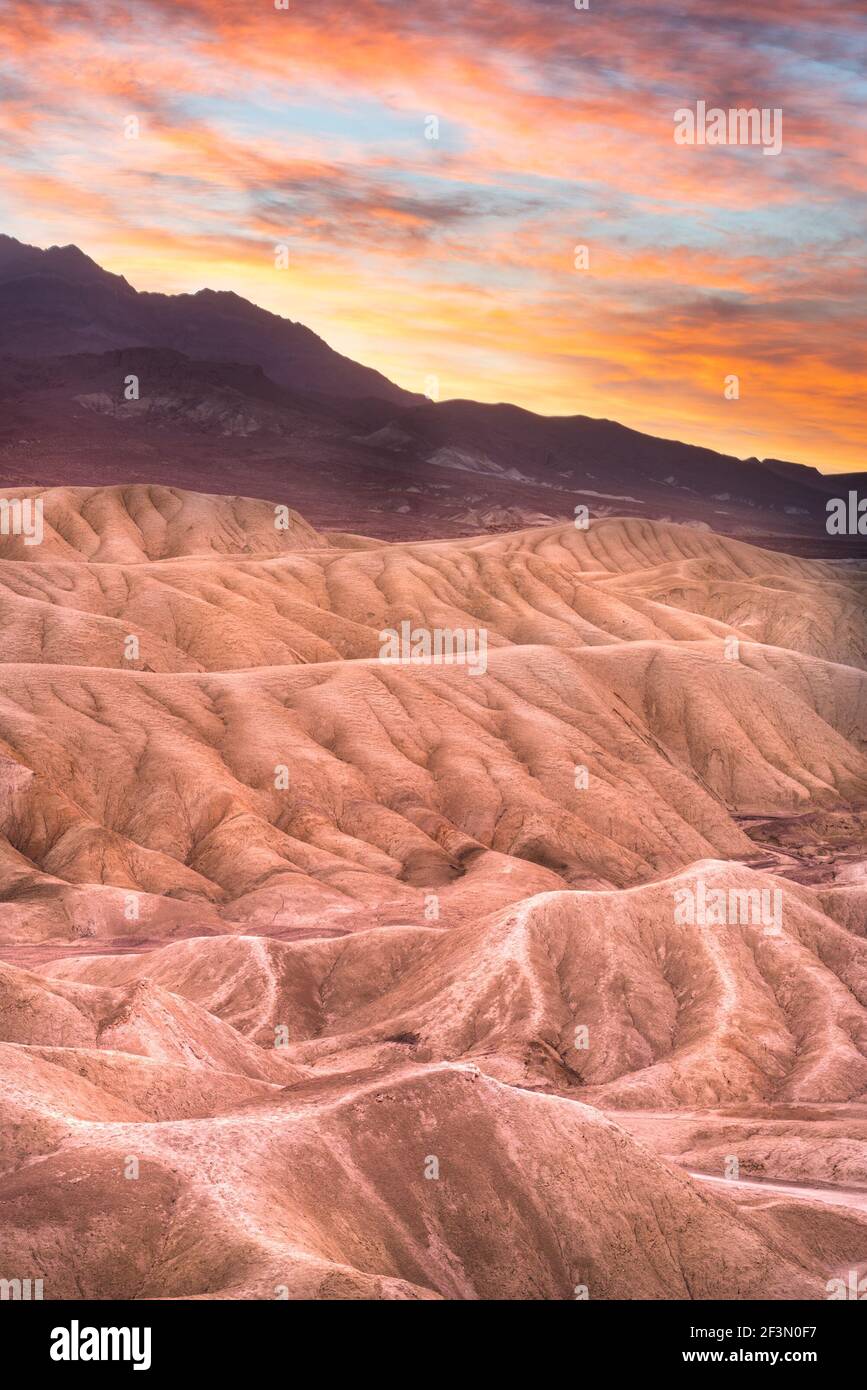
(324, 976)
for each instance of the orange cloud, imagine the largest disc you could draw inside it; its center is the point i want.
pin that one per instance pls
(456, 256)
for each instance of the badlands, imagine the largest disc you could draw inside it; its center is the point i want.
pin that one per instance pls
(325, 976)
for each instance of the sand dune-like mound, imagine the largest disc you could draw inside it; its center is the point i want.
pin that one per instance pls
(46, 1093)
(359, 786)
(127, 525)
(160, 1090)
(246, 594)
(142, 1019)
(319, 970)
(820, 1146)
(526, 1197)
(616, 996)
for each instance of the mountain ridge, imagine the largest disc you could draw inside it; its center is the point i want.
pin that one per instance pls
(42, 314)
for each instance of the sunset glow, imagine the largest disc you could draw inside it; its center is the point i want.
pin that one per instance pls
(455, 256)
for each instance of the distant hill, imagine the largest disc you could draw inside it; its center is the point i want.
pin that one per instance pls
(59, 301)
(233, 398)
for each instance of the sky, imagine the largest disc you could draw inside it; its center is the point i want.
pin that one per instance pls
(431, 168)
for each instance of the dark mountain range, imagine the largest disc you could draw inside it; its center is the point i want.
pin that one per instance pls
(59, 301)
(234, 399)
